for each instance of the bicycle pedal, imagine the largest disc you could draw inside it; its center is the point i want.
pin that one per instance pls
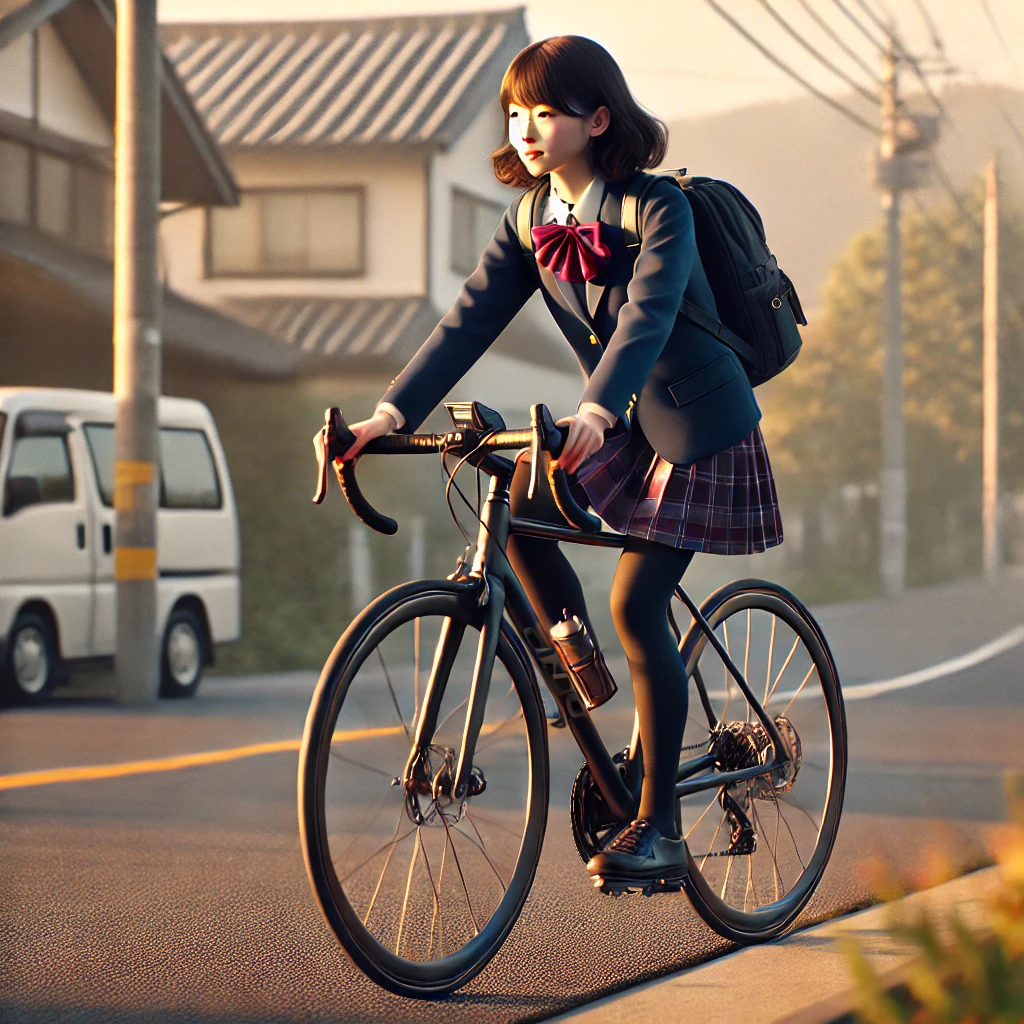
(633, 887)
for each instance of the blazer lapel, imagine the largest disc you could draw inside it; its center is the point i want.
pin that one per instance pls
(594, 290)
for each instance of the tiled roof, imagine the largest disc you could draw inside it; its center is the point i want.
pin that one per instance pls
(384, 331)
(381, 80)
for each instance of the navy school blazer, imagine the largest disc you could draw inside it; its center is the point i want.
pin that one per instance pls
(639, 356)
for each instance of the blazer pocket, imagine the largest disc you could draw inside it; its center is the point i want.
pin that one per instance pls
(700, 382)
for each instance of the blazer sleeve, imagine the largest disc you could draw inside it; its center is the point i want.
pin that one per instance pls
(653, 296)
(504, 279)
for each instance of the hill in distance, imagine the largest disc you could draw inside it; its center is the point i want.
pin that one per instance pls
(808, 169)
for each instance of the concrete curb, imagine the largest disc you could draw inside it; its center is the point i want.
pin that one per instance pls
(799, 979)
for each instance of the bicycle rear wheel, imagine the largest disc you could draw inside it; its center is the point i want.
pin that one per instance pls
(757, 849)
(421, 889)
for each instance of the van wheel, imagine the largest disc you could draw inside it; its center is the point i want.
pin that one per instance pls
(183, 654)
(31, 666)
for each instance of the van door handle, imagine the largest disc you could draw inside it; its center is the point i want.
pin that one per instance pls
(80, 531)
(106, 538)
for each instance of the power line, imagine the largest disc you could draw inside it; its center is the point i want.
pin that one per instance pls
(859, 24)
(835, 104)
(890, 32)
(839, 41)
(853, 83)
(999, 37)
(932, 27)
(951, 191)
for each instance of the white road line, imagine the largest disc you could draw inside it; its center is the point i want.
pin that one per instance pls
(862, 691)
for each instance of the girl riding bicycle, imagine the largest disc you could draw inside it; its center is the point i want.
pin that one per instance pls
(665, 442)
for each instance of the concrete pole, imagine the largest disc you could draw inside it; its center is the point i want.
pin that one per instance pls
(990, 375)
(136, 348)
(893, 483)
(360, 567)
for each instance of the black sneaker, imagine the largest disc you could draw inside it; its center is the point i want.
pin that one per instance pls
(639, 857)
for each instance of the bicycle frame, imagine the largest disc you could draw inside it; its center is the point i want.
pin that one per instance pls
(501, 594)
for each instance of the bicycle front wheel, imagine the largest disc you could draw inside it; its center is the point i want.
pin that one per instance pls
(757, 849)
(420, 888)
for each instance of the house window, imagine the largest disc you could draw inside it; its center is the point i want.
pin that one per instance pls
(73, 202)
(53, 195)
(473, 222)
(288, 234)
(15, 182)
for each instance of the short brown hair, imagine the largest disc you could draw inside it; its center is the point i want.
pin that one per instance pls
(575, 75)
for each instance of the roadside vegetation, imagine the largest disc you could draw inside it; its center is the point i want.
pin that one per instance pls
(960, 974)
(823, 415)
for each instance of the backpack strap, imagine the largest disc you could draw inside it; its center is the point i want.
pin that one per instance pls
(704, 319)
(632, 207)
(525, 209)
(633, 201)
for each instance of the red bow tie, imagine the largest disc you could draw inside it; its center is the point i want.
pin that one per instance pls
(573, 252)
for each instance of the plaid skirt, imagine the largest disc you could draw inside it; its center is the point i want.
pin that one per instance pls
(722, 504)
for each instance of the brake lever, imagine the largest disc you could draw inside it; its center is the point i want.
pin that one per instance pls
(331, 443)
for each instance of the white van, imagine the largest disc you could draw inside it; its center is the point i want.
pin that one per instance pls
(57, 596)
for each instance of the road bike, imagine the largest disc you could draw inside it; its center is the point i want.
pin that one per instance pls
(423, 770)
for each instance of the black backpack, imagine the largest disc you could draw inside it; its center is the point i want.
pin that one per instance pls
(758, 307)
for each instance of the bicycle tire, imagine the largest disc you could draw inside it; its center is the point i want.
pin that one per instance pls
(406, 975)
(771, 919)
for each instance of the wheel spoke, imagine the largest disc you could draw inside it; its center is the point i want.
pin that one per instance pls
(408, 886)
(778, 810)
(714, 800)
(782, 671)
(771, 652)
(480, 847)
(491, 731)
(777, 878)
(498, 824)
(810, 672)
(462, 877)
(391, 690)
(714, 839)
(359, 764)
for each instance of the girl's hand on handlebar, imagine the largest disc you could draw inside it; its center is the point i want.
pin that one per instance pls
(379, 424)
(586, 436)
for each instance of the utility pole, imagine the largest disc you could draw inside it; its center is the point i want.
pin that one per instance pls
(893, 483)
(990, 375)
(136, 348)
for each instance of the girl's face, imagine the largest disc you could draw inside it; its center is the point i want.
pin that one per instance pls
(548, 140)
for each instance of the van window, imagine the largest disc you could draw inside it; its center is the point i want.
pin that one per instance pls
(39, 473)
(188, 477)
(100, 438)
(3, 423)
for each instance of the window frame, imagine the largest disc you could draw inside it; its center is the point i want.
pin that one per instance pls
(213, 465)
(162, 484)
(62, 436)
(359, 191)
(458, 192)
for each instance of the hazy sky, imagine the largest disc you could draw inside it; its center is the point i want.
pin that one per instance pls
(679, 56)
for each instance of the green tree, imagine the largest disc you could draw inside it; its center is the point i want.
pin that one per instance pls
(823, 416)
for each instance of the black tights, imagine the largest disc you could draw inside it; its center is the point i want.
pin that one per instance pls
(645, 577)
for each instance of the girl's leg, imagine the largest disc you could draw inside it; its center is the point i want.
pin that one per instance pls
(549, 580)
(645, 578)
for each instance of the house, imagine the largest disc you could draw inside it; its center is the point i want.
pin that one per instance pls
(56, 204)
(361, 148)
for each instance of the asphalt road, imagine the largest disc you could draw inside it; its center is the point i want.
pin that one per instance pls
(182, 896)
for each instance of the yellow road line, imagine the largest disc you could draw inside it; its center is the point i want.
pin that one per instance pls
(88, 773)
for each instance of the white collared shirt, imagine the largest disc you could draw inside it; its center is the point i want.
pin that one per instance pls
(586, 209)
